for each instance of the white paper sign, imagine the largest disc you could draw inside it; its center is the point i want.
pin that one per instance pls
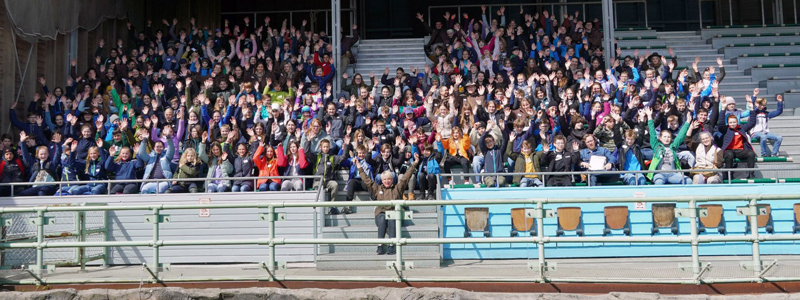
(639, 206)
(205, 212)
(597, 163)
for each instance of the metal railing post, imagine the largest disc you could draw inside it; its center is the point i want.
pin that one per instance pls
(763, 18)
(398, 234)
(81, 218)
(646, 21)
(39, 240)
(106, 233)
(271, 266)
(730, 11)
(540, 244)
(156, 251)
(695, 244)
(700, 12)
(753, 218)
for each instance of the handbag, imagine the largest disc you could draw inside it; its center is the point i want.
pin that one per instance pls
(704, 173)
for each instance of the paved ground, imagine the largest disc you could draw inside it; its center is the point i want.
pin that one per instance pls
(374, 293)
(628, 270)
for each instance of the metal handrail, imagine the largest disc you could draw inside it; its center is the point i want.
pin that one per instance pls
(291, 13)
(271, 241)
(205, 180)
(729, 171)
(779, 8)
(551, 5)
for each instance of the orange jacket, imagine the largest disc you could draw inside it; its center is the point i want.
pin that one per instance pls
(266, 167)
(460, 147)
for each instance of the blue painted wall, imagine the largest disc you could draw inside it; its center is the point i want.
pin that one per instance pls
(593, 220)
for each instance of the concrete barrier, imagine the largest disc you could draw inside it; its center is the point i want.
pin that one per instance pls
(343, 294)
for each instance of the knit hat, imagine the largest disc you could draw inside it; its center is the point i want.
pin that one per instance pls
(306, 109)
(408, 110)
(729, 100)
(113, 118)
(276, 106)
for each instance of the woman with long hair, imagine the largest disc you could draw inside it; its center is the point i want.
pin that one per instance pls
(293, 162)
(188, 167)
(219, 167)
(267, 165)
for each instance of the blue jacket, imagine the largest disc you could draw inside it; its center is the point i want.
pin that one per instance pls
(150, 158)
(586, 155)
(33, 165)
(729, 134)
(124, 169)
(353, 169)
(96, 169)
(30, 128)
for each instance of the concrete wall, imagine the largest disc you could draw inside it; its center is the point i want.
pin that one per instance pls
(222, 224)
(641, 222)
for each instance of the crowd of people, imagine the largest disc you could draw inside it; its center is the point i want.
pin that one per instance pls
(501, 94)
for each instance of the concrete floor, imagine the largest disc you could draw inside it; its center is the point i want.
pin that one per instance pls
(559, 270)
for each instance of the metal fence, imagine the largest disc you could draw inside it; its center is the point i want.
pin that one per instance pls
(578, 176)
(17, 186)
(542, 268)
(556, 9)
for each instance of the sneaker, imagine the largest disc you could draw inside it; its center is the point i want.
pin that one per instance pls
(347, 211)
(391, 250)
(431, 197)
(333, 211)
(381, 250)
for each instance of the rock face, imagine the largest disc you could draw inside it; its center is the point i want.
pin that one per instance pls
(357, 294)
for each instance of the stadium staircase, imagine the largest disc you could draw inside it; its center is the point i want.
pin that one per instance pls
(361, 224)
(763, 57)
(376, 55)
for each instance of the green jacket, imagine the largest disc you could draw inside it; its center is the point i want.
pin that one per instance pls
(658, 147)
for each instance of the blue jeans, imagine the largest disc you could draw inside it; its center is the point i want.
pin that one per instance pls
(216, 188)
(271, 186)
(526, 182)
(763, 137)
(647, 153)
(688, 156)
(634, 179)
(241, 188)
(477, 166)
(605, 178)
(153, 187)
(671, 178)
(89, 189)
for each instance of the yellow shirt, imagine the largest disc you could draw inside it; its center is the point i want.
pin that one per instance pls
(529, 166)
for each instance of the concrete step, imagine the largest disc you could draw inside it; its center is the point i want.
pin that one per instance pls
(370, 249)
(731, 52)
(387, 56)
(368, 232)
(365, 196)
(780, 86)
(749, 62)
(368, 218)
(678, 33)
(759, 74)
(376, 41)
(634, 33)
(365, 63)
(791, 100)
(708, 33)
(396, 48)
(722, 42)
(638, 43)
(347, 261)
